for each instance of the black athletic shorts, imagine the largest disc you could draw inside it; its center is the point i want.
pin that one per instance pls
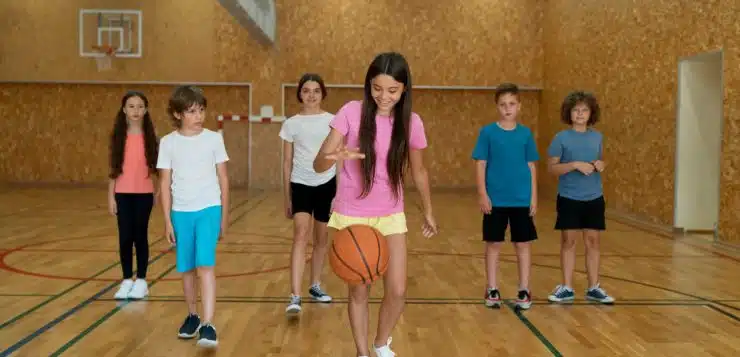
(314, 200)
(517, 219)
(574, 214)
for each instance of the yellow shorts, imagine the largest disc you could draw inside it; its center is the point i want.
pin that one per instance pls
(386, 225)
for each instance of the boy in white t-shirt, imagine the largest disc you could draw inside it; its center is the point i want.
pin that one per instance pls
(195, 191)
(307, 193)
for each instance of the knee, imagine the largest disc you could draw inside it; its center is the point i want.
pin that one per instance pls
(493, 248)
(522, 246)
(301, 235)
(592, 241)
(359, 294)
(321, 236)
(568, 242)
(396, 291)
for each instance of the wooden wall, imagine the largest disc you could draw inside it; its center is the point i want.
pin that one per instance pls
(627, 52)
(459, 43)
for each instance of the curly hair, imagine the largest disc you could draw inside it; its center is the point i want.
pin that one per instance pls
(120, 132)
(580, 97)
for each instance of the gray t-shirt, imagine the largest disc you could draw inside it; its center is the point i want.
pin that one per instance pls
(570, 145)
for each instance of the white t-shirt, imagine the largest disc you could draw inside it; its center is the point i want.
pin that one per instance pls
(307, 133)
(193, 160)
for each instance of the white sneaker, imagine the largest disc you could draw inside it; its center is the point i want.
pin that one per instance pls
(124, 289)
(139, 291)
(294, 306)
(384, 351)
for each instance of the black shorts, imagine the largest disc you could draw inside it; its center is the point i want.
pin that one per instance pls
(517, 218)
(314, 200)
(579, 215)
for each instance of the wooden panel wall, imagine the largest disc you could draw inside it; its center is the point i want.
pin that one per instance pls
(462, 42)
(627, 52)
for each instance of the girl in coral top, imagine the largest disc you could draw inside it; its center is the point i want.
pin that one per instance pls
(133, 157)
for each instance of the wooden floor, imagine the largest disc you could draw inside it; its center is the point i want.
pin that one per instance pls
(58, 250)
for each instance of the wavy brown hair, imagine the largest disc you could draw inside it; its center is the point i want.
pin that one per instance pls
(120, 133)
(577, 97)
(394, 65)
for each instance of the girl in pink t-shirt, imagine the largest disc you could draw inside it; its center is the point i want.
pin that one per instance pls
(133, 157)
(377, 139)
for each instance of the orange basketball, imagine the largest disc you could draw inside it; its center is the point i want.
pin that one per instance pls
(359, 254)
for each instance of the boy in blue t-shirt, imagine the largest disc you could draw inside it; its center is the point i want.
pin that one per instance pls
(576, 158)
(505, 155)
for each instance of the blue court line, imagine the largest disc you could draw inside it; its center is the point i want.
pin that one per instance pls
(113, 311)
(79, 306)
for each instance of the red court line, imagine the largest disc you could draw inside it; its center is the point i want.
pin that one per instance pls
(27, 247)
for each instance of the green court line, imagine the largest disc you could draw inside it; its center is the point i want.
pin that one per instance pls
(112, 312)
(723, 312)
(534, 330)
(64, 292)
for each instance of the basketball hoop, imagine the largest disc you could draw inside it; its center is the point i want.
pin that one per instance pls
(104, 59)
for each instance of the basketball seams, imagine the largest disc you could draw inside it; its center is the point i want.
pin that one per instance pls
(361, 253)
(339, 257)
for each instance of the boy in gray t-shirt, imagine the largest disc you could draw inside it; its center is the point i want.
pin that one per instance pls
(576, 158)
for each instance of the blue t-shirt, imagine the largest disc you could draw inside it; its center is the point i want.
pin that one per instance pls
(507, 154)
(570, 145)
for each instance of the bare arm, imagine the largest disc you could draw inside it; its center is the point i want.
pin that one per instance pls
(559, 169)
(330, 145)
(533, 171)
(421, 179)
(287, 168)
(165, 181)
(480, 177)
(223, 181)
(111, 189)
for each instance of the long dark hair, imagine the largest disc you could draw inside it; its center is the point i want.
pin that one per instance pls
(120, 132)
(394, 65)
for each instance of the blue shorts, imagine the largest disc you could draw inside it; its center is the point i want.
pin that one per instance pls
(196, 236)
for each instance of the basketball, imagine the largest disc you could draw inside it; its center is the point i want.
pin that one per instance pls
(359, 254)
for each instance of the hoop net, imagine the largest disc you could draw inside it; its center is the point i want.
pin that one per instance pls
(104, 60)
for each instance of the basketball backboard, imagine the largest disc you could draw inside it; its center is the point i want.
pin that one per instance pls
(119, 29)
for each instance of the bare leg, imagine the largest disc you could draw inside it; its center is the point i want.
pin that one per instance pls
(524, 258)
(188, 289)
(568, 255)
(492, 252)
(394, 282)
(301, 232)
(591, 238)
(208, 292)
(359, 318)
(320, 247)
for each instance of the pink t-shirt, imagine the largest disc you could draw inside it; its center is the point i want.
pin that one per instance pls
(380, 201)
(135, 176)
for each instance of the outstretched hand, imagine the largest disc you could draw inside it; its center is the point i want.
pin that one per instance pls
(344, 153)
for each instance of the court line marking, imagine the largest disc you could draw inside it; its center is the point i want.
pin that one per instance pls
(113, 311)
(536, 332)
(84, 303)
(723, 312)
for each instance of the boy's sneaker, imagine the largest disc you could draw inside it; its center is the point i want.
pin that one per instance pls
(384, 351)
(139, 291)
(294, 306)
(598, 294)
(208, 337)
(124, 289)
(189, 327)
(562, 293)
(493, 298)
(318, 294)
(523, 299)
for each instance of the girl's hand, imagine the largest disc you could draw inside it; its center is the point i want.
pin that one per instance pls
(224, 226)
(112, 206)
(344, 153)
(429, 228)
(288, 209)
